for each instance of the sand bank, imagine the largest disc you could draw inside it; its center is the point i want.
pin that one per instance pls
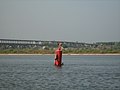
(66, 54)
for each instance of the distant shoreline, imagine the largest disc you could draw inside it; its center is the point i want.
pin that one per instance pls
(63, 54)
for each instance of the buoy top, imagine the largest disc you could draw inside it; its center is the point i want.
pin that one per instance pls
(59, 46)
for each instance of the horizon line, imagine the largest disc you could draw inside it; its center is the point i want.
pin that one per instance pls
(57, 40)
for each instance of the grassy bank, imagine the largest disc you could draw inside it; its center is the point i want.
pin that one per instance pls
(68, 51)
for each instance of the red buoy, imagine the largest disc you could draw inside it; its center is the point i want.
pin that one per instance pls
(58, 56)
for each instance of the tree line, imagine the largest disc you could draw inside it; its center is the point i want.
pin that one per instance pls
(74, 48)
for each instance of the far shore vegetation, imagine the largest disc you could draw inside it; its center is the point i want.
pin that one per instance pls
(48, 47)
(65, 51)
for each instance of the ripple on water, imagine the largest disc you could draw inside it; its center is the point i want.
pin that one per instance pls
(78, 75)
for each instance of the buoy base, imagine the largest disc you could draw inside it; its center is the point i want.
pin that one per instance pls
(57, 63)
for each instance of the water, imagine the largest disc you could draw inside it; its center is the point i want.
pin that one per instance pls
(77, 73)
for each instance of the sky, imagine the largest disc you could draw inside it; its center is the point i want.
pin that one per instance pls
(60, 20)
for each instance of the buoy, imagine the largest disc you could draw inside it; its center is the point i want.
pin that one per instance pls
(58, 56)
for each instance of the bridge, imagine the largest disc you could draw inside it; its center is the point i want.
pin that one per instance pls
(14, 43)
(39, 44)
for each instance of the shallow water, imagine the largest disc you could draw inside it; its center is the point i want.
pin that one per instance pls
(77, 73)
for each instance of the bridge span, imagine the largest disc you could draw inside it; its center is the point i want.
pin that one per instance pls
(13, 43)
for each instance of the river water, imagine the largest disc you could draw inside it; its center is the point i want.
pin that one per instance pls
(37, 72)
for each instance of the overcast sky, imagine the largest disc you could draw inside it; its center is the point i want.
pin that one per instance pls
(62, 20)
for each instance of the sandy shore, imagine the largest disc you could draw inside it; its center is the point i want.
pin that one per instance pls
(65, 54)
(91, 54)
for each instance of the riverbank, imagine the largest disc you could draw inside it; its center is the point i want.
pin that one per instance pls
(64, 54)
